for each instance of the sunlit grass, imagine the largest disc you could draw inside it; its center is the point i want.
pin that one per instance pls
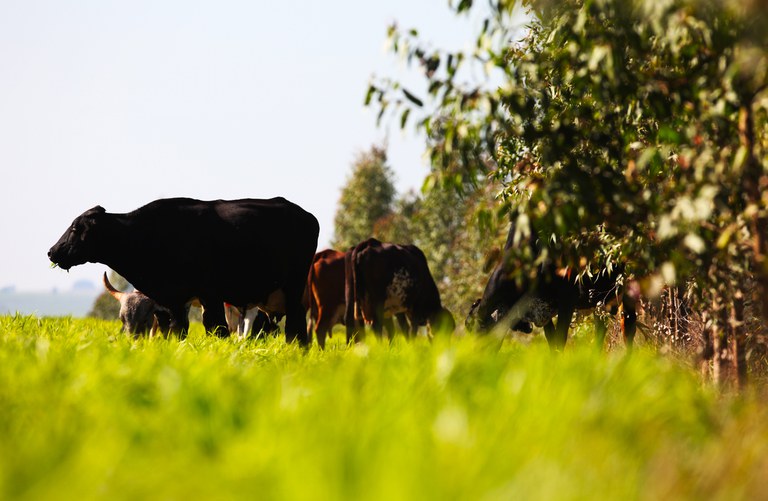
(86, 412)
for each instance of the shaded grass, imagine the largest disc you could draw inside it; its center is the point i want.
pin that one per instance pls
(87, 412)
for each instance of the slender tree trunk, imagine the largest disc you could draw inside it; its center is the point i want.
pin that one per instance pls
(723, 366)
(739, 337)
(754, 182)
(708, 350)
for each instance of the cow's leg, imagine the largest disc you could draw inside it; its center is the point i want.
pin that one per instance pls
(408, 328)
(241, 323)
(349, 297)
(629, 321)
(312, 326)
(378, 322)
(549, 332)
(322, 332)
(179, 322)
(214, 319)
(389, 327)
(233, 316)
(161, 323)
(564, 317)
(557, 334)
(295, 317)
(324, 325)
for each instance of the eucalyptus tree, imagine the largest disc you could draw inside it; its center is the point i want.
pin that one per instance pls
(623, 132)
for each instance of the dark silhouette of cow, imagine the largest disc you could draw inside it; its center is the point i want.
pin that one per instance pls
(520, 301)
(325, 293)
(383, 280)
(178, 250)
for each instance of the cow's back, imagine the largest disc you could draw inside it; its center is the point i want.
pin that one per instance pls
(396, 270)
(223, 248)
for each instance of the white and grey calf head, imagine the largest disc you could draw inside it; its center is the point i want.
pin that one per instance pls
(138, 313)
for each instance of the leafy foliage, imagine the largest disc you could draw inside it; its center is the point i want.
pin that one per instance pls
(624, 131)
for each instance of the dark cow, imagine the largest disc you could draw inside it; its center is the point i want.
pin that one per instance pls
(178, 250)
(385, 279)
(522, 302)
(325, 290)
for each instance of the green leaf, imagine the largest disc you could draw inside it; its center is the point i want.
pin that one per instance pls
(464, 5)
(369, 94)
(668, 135)
(404, 117)
(415, 100)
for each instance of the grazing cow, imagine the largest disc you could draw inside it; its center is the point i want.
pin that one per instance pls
(325, 291)
(138, 313)
(526, 302)
(178, 250)
(385, 279)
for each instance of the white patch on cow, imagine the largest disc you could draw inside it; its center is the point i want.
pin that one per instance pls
(246, 323)
(397, 292)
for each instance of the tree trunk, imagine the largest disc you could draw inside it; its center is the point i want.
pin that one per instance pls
(739, 337)
(754, 182)
(722, 370)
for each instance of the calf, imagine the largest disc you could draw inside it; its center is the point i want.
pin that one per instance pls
(138, 313)
(384, 279)
(524, 302)
(325, 291)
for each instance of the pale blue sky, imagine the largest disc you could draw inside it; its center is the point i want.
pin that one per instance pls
(118, 103)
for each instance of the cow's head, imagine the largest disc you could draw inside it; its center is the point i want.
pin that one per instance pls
(81, 242)
(501, 301)
(442, 322)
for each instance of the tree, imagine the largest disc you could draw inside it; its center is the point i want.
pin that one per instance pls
(625, 132)
(366, 199)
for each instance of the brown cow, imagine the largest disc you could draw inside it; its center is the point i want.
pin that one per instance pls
(383, 280)
(325, 291)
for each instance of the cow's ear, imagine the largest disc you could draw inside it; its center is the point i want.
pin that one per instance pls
(96, 211)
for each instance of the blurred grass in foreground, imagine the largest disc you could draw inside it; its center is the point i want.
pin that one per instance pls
(86, 412)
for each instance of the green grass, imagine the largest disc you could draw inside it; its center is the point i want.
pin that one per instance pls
(88, 413)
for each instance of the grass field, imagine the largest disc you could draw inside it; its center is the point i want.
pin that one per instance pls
(88, 413)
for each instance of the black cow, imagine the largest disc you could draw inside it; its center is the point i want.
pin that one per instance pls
(522, 302)
(178, 250)
(382, 280)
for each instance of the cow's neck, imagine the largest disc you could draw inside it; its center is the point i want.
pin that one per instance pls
(120, 254)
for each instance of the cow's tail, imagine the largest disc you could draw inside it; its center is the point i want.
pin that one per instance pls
(349, 294)
(359, 280)
(110, 288)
